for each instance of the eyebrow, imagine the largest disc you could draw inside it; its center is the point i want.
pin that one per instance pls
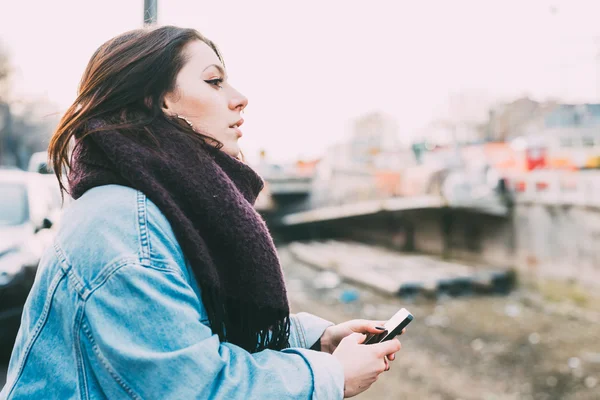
(217, 66)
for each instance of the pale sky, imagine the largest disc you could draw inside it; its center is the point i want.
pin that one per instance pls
(309, 67)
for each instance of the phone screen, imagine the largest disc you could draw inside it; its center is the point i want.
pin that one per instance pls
(391, 326)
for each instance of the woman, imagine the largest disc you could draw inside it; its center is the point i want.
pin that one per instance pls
(163, 282)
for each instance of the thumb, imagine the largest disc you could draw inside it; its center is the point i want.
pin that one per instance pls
(388, 347)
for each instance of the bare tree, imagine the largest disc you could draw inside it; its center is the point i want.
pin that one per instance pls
(4, 74)
(5, 116)
(25, 132)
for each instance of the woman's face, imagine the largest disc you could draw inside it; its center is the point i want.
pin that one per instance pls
(204, 97)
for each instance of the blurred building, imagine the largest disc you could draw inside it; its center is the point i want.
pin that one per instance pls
(371, 135)
(571, 136)
(558, 135)
(366, 166)
(574, 116)
(526, 117)
(523, 116)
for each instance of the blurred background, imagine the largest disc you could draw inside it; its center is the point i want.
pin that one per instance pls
(442, 156)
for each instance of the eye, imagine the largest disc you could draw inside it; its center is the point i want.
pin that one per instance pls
(215, 82)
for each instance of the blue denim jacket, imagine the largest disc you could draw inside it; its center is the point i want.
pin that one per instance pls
(115, 313)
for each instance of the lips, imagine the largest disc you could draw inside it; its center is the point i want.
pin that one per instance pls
(237, 124)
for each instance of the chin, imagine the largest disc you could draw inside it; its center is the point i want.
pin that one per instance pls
(232, 149)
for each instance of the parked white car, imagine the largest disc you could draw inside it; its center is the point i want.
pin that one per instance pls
(26, 229)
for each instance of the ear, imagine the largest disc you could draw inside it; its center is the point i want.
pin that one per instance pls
(169, 106)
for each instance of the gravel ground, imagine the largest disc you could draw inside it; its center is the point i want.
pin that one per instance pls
(501, 347)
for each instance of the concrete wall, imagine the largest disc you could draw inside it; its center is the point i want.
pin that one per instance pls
(459, 234)
(537, 240)
(559, 242)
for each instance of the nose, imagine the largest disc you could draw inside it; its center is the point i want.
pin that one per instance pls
(238, 101)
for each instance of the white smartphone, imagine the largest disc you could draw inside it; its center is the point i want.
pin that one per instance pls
(392, 328)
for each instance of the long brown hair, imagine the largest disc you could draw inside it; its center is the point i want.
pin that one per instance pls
(124, 84)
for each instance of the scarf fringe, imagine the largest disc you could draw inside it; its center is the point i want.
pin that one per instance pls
(244, 325)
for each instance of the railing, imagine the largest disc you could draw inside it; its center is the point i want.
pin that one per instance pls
(576, 188)
(363, 208)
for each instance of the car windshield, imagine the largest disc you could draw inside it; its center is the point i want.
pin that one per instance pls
(13, 204)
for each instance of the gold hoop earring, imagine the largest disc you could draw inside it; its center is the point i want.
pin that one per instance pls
(186, 120)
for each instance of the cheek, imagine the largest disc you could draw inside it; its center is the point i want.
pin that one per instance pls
(204, 106)
(197, 104)
(194, 97)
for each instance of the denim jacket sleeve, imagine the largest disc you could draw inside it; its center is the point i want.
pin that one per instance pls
(306, 329)
(152, 344)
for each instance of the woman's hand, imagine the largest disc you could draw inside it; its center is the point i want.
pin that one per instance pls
(333, 335)
(362, 363)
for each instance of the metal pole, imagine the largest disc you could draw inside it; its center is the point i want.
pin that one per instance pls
(5, 126)
(150, 12)
(598, 69)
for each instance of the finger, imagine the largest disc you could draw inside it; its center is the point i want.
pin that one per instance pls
(387, 347)
(366, 326)
(402, 333)
(356, 337)
(391, 357)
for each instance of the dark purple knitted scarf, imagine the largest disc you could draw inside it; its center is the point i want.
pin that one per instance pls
(208, 198)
